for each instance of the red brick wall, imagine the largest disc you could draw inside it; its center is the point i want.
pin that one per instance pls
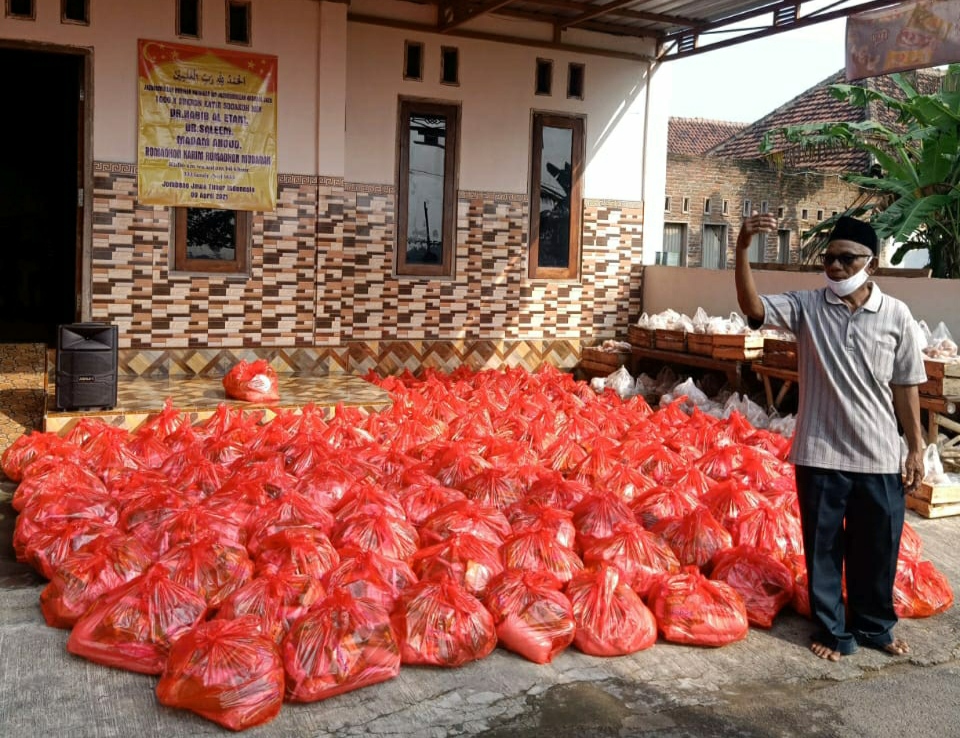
(698, 178)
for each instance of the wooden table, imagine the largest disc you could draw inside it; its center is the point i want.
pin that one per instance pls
(938, 408)
(733, 370)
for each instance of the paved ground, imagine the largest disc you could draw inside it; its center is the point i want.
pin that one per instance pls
(767, 685)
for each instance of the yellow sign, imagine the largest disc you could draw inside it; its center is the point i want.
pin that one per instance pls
(208, 127)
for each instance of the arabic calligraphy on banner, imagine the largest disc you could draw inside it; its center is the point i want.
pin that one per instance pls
(207, 134)
(910, 35)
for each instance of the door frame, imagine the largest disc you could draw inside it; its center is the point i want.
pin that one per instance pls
(84, 230)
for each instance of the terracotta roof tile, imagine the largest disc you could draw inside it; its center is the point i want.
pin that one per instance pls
(817, 105)
(698, 135)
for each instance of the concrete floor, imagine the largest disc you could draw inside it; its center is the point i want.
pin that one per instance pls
(766, 685)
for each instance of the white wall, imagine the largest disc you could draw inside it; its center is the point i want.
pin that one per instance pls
(285, 28)
(684, 290)
(496, 92)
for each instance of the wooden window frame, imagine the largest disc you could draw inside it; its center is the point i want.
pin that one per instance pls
(448, 231)
(573, 94)
(32, 16)
(199, 33)
(577, 125)
(85, 21)
(237, 265)
(248, 4)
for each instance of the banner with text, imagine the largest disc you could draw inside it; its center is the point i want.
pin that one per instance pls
(911, 35)
(207, 133)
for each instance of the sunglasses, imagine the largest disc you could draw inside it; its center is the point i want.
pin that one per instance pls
(845, 259)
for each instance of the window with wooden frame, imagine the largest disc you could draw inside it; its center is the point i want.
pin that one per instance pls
(239, 22)
(189, 14)
(211, 240)
(575, 80)
(21, 9)
(556, 199)
(706, 206)
(75, 11)
(449, 65)
(427, 190)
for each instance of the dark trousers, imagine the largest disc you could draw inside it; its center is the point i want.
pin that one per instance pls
(855, 520)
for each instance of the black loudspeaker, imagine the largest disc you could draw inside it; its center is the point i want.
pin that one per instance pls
(86, 366)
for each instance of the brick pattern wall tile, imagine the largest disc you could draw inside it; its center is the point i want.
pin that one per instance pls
(322, 277)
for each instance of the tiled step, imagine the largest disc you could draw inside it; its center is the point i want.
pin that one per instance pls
(139, 398)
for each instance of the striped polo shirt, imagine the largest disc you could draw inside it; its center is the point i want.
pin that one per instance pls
(846, 364)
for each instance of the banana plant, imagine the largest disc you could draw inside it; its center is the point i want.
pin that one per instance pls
(912, 193)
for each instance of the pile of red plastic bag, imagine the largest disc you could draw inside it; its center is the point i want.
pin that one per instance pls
(247, 564)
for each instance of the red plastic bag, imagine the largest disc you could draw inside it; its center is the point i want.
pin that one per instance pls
(439, 623)
(211, 568)
(465, 516)
(226, 671)
(696, 611)
(298, 550)
(133, 626)
(611, 618)
(797, 565)
(525, 516)
(920, 589)
(534, 617)
(598, 515)
(764, 583)
(93, 570)
(770, 528)
(28, 448)
(695, 538)
(342, 644)
(278, 600)
(640, 555)
(371, 575)
(254, 382)
(472, 561)
(537, 549)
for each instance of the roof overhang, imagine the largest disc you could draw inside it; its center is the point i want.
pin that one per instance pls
(679, 27)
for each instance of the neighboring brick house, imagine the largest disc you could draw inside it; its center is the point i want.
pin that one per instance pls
(716, 175)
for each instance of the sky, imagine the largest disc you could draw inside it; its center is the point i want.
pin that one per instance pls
(746, 81)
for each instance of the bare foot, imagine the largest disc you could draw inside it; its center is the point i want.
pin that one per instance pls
(898, 647)
(823, 652)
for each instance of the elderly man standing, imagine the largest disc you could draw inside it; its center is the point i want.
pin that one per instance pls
(859, 364)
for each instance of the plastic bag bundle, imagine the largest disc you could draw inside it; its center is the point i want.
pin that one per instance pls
(371, 575)
(342, 644)
(327, 484)
(662, 503)
(597, 517)
(525, 516)
(88, 574)
(728, 500)
(252, 382)
(226, 671)
(441, 624)
(764, 583)
(298, 550)
(133, 626)
(378, 530)
(797, 565)
(465, 516)
(641, 556)
(277, 600)
(211, 568)
(421, 500)
(26, 449)
(552, 488)
(369, 497)
(695, 538)
(533, 616)
(697, 611)
(471, 561)
(287, 511)
(769, 528)
(626, 482)
(50, 548)
(537, 549)
(50, 511)
(920, 589)
(611, 618)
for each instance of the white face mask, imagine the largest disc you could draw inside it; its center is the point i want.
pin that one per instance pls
(844, 287)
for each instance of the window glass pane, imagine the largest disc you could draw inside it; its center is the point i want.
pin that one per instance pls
(672, 244)
(783, 238)
(189, 18)
(427, 142)
(755, 252)
(211, 234)
(556, 183)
